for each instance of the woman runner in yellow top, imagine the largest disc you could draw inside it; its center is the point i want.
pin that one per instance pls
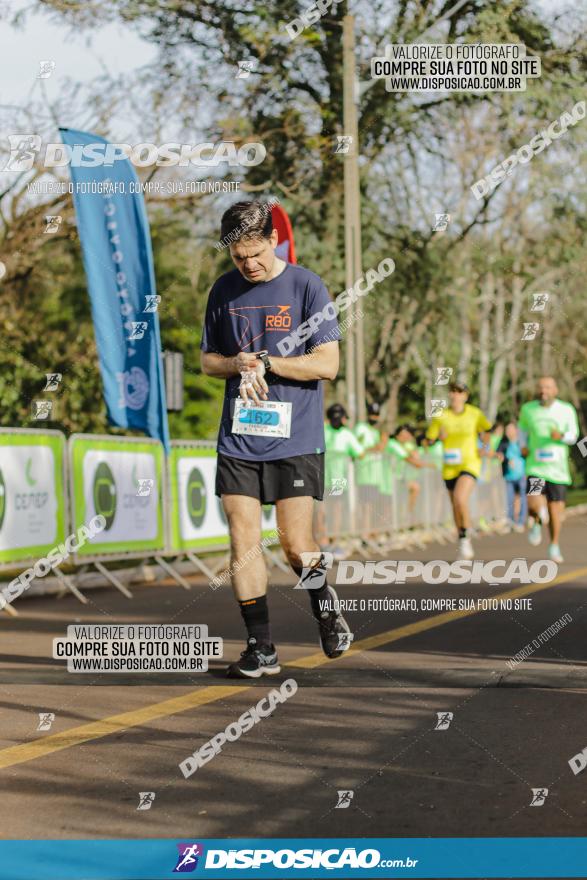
(459, 427)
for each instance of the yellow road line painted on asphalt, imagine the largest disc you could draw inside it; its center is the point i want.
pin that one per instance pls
(410, 629)
(106, 726)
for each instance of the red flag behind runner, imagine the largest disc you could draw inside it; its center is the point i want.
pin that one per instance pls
(285, 241)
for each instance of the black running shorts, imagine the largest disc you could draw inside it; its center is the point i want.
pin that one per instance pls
(553, 491)
(450, 484)
(270, 481)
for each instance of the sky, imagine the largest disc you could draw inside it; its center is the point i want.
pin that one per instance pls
(80, 56)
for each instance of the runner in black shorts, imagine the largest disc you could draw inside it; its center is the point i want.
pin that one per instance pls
(271, 438)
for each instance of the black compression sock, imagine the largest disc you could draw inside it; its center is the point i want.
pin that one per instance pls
(462, 533)
(255, 614)
(317, 600)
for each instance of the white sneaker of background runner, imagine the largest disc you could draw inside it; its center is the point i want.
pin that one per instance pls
(466, 549)
(554, 553)
(535, 532)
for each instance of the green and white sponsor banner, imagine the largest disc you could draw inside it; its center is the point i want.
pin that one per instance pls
(32, 494)
(122, 479)
(197, 516)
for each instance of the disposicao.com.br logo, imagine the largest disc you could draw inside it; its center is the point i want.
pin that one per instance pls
(329, 859)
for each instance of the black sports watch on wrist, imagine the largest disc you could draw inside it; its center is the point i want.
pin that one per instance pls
(264, 356)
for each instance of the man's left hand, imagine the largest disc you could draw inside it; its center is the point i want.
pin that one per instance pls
(253, 385)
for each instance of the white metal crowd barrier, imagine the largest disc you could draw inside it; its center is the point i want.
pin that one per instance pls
(381, 495)
(165, 508)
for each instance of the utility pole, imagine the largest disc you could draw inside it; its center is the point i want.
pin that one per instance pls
(355, 348)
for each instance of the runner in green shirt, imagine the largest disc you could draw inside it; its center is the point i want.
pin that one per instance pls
(435, 454)
(548, 426)
(341, 443)
(404, 448)
(369, 470)
(341, 446)
(373, 442)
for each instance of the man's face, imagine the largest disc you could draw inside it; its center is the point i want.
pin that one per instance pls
(373, 418)
(547, 390)
(255, 258)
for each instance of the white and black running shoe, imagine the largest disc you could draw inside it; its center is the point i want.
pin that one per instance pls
(335, 635)
(255, 661)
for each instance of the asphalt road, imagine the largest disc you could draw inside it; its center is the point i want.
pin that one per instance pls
(364, 723)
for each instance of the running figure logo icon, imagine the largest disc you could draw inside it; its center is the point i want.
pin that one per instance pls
(46, 719)
(52, 223)
(138, 330)
(530, 332)
(23, 150)
(437, 407)
(187, 860)
(313, 575)
(339, 484)
(536, 485)
(539, 301)
(443, 375)
(246, 68)
(539, 795)
(444, 719)
(42, 409)
(344, 641)
(344, 143)
(146, 799)
(53, 380)
(144, 487)
(46, 68)
(441, 223)
(344, 800)
(152, 300)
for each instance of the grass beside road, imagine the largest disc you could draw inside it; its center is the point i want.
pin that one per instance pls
(576, 496)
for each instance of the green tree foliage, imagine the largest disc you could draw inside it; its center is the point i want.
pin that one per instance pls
(457, 298)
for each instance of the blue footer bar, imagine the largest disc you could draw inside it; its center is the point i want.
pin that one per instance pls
(530, 857)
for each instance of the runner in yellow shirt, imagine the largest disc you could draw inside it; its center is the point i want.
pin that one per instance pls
(458, 427)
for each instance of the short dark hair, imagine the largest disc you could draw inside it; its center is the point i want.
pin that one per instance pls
(336, 409)
(246, 220)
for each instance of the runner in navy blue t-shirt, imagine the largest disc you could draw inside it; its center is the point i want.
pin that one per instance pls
(271, 438)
